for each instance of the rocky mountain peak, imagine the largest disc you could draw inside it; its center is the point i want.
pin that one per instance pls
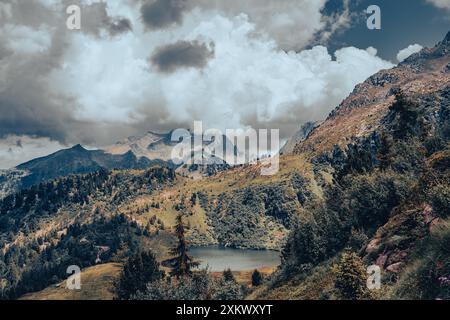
(447, 38)
(422, 76)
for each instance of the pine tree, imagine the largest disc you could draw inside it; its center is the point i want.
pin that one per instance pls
(183, 263)
(256, 278)
(351, 277)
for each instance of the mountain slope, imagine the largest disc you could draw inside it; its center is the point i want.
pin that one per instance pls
(387, 147)
(424, 76)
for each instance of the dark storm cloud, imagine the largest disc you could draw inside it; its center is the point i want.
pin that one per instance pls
(158, 14)
(120, 25)
(27, 13)
(27, 104)
(182, 54)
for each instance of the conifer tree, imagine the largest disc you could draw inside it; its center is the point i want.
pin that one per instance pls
(183, 263)
(384, 153)
(351, 277)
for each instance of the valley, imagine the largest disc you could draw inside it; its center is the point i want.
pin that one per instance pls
(368, 186)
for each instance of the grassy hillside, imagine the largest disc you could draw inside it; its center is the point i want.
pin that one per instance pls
(97, 284)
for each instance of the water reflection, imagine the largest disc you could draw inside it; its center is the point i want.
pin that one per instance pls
(220, 258)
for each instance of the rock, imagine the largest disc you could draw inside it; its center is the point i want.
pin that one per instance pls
(396, 257)
(373, 246)
(428, 215)
(395, 268)
(381, 261)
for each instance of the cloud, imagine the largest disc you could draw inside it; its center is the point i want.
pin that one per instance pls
(405, 53)
(25, 39)
(293, 24)
(225, 63)
(120, 25)
(95, 19)
(443, 4)
(158, 14)
(19, 149)
(182, 54)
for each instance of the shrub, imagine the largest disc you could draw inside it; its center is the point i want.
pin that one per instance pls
(138, 271)
(440, 200)
(428, 276)
(228, 275)
(256, 278)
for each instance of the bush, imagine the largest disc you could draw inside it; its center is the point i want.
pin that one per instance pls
(228, 275)
(429, 274)
(256, 278)
(139, 270)
(440, 200)
(198, 286)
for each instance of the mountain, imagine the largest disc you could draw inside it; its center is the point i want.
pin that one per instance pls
(78, 160)
(383, 159)
(423, 77)
(150, 145)
(132, 153)
(135, 152)
(369, 186)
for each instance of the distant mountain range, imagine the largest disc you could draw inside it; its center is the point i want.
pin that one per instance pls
(135, 152)
(131, 153)
(151, 145)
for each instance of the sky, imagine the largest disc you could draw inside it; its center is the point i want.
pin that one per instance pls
(157, 65)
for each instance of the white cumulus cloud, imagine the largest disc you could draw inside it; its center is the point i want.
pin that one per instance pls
(405, 53)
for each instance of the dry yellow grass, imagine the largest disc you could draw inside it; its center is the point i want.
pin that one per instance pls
(96, 284)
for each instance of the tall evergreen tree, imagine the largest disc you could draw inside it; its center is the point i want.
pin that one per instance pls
(351, 277)
(407, 116)
(183, 263)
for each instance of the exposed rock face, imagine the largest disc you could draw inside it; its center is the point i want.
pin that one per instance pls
(423, 77)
